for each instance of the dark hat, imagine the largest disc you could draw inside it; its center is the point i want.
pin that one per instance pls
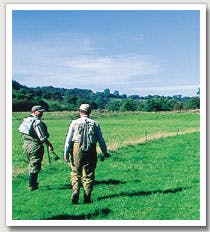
(85, 108)
(37, 108)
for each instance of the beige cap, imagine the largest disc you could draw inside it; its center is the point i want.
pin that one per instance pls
(85, 108)
(37, 108)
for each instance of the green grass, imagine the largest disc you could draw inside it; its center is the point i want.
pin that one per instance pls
(119, 129)
(156, 180)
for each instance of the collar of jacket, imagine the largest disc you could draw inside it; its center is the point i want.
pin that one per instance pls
(32, 115)
(84, 116)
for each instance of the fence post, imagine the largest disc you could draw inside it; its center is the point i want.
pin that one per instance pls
(145, 136)
(177, 132)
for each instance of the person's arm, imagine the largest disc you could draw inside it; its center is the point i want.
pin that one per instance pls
(102, 144)
(101, 140)
(50, 146)
(68, 142)
(42, 134)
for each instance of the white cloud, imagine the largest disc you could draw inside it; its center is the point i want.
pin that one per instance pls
(76, 63)
(187, 90)
(164, 88)
(124, 67)
(41, 64)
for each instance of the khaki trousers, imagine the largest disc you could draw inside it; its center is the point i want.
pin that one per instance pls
(83, 165)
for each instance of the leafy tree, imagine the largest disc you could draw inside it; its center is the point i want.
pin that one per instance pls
(16, 85)
(178, 106)
(128, 105)
(124, 96)
(193, 103)
(198, 93)
(177, 97)
(158, 104)
(22, 105)
(93, 105)
(70, 99)
(80, 100)
(113, 105)
(134, 97)
(47, 95)
(150, 105)
(165, 104)
(140, 105)
(55, 106)
(116, 93)
(100, 102)
(107, 92)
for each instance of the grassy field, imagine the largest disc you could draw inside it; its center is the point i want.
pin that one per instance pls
(152, 174)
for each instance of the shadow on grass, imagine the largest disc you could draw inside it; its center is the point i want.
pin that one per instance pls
(102, 212)
(68, 186)
(56, 187)
(110, 181)
(142, 193)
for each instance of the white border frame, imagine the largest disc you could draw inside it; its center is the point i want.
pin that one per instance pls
(72, 6)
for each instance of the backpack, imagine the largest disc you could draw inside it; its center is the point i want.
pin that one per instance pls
(88, 136)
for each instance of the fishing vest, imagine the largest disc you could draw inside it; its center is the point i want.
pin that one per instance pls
(26, 127)
(85, 132)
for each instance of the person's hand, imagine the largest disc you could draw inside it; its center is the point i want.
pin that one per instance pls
(50, 147)
(106, 155)
(101, 158)
(66, 158)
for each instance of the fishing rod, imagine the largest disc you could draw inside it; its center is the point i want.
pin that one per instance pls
(56, 157)
(18, 119)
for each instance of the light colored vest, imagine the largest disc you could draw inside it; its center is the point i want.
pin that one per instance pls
(85, 132)
(27, 125)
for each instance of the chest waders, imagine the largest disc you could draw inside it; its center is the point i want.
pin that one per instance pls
(34, 150)
(35, 153)
(83, 167)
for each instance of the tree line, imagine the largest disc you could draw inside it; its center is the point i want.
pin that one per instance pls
(61, 99)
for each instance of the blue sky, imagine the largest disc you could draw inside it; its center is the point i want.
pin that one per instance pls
(136, 52)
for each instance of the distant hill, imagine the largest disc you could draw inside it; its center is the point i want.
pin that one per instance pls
(60, 99)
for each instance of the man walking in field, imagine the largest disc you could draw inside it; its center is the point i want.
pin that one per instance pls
(35, 134)
(80, 144)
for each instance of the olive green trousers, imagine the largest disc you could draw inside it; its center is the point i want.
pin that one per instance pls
(35, 152)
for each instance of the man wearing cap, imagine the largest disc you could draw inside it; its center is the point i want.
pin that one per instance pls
(35, 134)
(80, 144)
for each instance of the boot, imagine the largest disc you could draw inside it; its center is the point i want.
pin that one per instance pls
(87, 198)
(33, 184)
(75, 198)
